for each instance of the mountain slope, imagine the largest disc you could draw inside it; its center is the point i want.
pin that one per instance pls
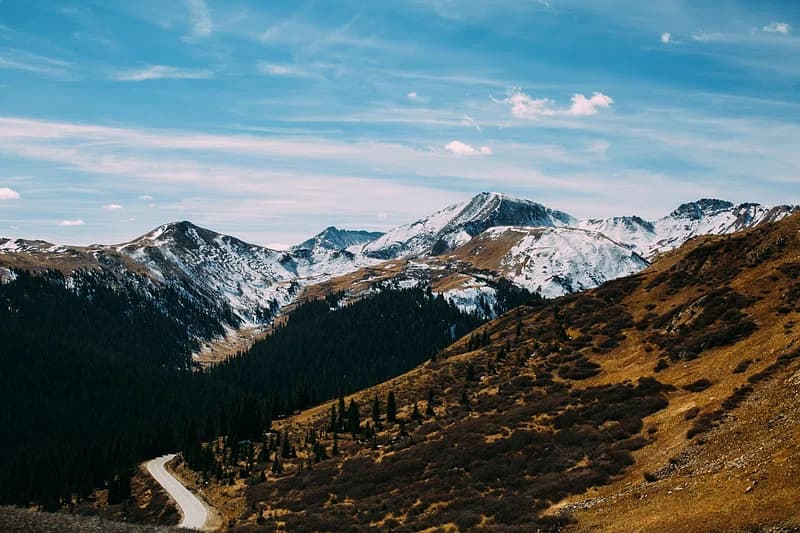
(251, 281)
(661, 401)
(456, 224)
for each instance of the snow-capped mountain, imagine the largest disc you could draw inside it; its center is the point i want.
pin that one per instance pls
(456, 224)
(703, 217)
(462, 251)
(555, 261)
(332, 238)
(252, 281)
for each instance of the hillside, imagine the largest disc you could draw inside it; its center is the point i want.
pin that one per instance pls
(661, 401)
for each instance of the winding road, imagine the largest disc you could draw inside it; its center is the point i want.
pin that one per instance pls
(195, 514)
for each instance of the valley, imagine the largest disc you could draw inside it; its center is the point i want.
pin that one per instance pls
(551, 376)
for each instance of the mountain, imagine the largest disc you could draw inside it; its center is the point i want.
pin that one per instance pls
(462, 251)
(250, 281)
(335, 239)
(663, 401)
(552, 261)
(703, 217)
(458, 223)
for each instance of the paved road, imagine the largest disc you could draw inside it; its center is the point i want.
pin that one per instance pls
(194, 512)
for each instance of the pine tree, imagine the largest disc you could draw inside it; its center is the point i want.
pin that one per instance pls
(464, 399)
(391, 408)
(429, 409)
(333, 419)
(335, 450)
(376, 410)
(340, 420)
(353, 418)
(286, 450)
(470, 372)
(415, 414)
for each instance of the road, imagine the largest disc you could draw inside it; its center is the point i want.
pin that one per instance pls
(195, 514)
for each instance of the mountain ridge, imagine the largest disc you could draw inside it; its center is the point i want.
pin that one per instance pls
(246, 285)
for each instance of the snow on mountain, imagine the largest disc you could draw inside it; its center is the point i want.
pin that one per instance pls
(332, 238)
(461, 251)
(703, 217)
(332, 252)
(456, 224)
(711, 217)
(253, 281)
(552, 261)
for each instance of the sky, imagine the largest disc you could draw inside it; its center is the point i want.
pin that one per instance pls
(270, 120)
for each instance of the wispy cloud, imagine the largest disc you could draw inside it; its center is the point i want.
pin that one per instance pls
(199, 18)
(778, 27)
(75, 222)
(706, 37)
(27, 61)
(145, 197)
(112, 207)
(8, 194)
(289, 71)
(460, 148)
(524, 106)
(666, 37)
(598, 147)
(156, 72)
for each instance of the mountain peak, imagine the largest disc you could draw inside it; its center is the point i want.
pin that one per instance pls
(700, 208)
(333, 238)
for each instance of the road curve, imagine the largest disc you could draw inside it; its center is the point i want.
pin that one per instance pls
(195, 514)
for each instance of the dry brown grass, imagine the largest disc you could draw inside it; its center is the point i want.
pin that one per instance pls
(738, 475)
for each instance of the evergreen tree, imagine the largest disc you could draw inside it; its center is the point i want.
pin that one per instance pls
(429, 408)
(415, 414)
(353, 418)
(464, 399)
(376, 411)
(286, 450)
(340, 422)
(391, 408)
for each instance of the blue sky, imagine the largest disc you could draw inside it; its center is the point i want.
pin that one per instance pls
(270, 120)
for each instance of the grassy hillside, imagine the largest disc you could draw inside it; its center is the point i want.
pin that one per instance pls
(664, 401)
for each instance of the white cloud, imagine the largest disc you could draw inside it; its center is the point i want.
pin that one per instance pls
(778, 27)
(76, 222)
(145, 197)
(666, 37)
(112, 207)
(412, 95)
(523, 106)
(599, 147)
(157, 72)
(704, 37)
(460, 148)
(289, 71)
(582, 106)
(278, 246)
(8, 194)
(199, 18)
(21, 60)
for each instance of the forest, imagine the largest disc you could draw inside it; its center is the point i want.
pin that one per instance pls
(96, 377)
